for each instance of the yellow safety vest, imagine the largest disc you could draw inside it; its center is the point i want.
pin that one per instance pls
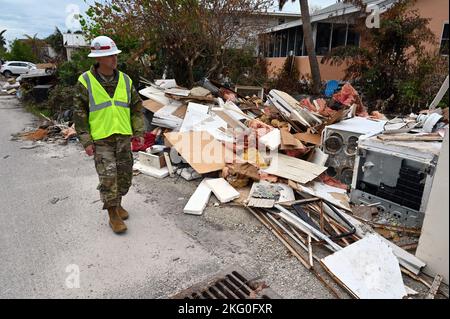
(108, 116)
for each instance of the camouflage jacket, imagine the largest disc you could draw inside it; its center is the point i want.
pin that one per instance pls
(81, 110)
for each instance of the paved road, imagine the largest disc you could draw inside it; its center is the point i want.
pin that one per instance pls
(52, 226)
(39, 239)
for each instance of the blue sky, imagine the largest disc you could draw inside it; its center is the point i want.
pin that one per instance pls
(21, 17)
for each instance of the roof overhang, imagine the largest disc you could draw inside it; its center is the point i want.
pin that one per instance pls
(333, 11)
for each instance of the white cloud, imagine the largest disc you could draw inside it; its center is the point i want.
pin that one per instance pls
(21, 17)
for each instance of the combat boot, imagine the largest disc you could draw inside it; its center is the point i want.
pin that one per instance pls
(122, 212)
(116, 223)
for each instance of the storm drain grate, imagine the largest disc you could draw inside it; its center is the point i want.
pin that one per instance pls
(233, 283)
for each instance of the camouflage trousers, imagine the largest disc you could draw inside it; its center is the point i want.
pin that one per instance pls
(114, 165)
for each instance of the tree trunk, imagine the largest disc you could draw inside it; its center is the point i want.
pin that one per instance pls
(190, 71)
(309, 43)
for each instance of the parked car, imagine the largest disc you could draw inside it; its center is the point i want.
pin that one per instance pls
(16, 68)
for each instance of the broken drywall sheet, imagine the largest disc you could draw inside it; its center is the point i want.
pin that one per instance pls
(164, 117)
(179, 92)
(195, 114)
(271, 140)
(319, 157)
(198, 201)
(155, 94)
(151, 171)
(166, 83)
(369, 269)
(222, 190)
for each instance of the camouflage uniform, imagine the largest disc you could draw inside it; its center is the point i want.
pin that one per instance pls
(113, 157)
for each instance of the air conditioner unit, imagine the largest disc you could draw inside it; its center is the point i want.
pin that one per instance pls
(396, 177)
(340, 142)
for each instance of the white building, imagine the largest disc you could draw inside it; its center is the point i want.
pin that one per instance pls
(73, 42)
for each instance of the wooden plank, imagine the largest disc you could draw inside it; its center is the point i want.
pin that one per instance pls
(434, 287)
(411, 137)
(152, 106)
(280, 237)
(200, 149)
(169, 164)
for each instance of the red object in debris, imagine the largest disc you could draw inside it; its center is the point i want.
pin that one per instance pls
(149, 140)
(347, 95)
(228, 95)
(296, 153)
(307, 103)
(328, 180)
(324, 110)
(377, 116)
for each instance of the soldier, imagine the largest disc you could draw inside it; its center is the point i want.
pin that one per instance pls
(108, 111)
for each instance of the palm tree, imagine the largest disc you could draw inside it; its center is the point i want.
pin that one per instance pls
(36, 45)
(2, 40)
(309, 43)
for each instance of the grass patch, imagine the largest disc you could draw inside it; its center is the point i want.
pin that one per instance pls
(37, 109)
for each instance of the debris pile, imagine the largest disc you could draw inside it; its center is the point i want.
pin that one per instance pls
(10, 87)
(50, 131)
(293, 164)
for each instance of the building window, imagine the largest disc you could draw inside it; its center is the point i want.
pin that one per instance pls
(276, 50)
(445, 40)
(323, 38)
(284, 40)
(333, 35)
(291, 41)
(352, 36)
(299, 41)
(328, 36)
(339, 35)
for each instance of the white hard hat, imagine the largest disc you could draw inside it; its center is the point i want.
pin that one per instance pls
(103, 46)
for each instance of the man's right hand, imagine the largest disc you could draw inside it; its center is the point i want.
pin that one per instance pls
(90, 150)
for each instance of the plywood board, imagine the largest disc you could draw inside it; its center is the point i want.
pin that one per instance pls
(200, 149)
(294, 169)
(288, 141)
(309, 138)
(152, 106)
(180, 112)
